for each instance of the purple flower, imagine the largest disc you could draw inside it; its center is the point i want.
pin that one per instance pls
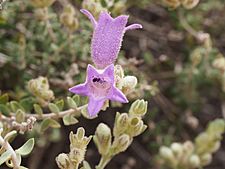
(99, 87)
(107, 37)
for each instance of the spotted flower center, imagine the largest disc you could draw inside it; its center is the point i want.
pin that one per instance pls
(101, 83)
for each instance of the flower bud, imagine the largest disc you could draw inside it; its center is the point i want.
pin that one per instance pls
(189, 4)
(120, 144)
(40, 14)
(138, 108)
(121, 124)
(206, 159)
(68, 19)
(196, 56)
(194, 161)
(177, 149)
(119, 71)
(166, 153)
(39, 87)
(42, 3)
(63, 161)
(129, 83)
(103, 138)
(136, 126)
(188, 148)
(219, 63)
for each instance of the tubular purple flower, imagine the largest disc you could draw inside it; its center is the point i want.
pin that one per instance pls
(99, 87)
(107, 37)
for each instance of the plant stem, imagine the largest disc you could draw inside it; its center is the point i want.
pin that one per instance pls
(103, 162)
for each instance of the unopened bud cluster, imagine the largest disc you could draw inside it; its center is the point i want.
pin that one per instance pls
(194, 155)
(126, 127)
(69, 19)
(40, 89)
(187, 4)
(78, 145)
(125, 83)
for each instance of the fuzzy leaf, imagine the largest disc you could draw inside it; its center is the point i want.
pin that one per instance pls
(72, 104)
(20, 115)
(4, 157)
(76, 98)
(38, 109)
(69, 120)
(26, 148)
(27, 103)
(49, 123)
(53, 108)
(4, 98)
(60, 104)
(4, 109)
(14, 105)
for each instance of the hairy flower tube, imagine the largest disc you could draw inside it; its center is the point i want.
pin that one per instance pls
(99, 87)
(107, 37)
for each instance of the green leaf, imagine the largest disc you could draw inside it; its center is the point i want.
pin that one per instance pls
(14, 105)
(4, 98)
(69, 120)
(71, 103)
(60, 104)
(38, 109)
(20, 115)
(26, 148)
(49, 123)
(4, 157)
(76, 98)
(53, 108)
(4, 109)
(27, 103)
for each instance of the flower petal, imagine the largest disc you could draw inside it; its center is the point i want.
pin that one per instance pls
(94, 106)
(80, 89)
(117, 95)
(90, 16)
(107, 39)
(133, 26)
(109, 72)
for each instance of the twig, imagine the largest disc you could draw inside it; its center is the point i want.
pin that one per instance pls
(8, 147)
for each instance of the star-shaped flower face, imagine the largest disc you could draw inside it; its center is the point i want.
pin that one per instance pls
(99, 87)
(107, 37)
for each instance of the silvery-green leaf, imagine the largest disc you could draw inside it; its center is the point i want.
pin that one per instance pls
(38, 109)
(4, 157)
(26, 148)
(20, 115)
(14, 105)
(4, 98)
(53, 108)
(4, 109)
(69, 120)
(60, 104)
(49, 123)
(72, 104)
(76, 98)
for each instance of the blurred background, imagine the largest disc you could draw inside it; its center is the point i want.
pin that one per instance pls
(178, 58)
